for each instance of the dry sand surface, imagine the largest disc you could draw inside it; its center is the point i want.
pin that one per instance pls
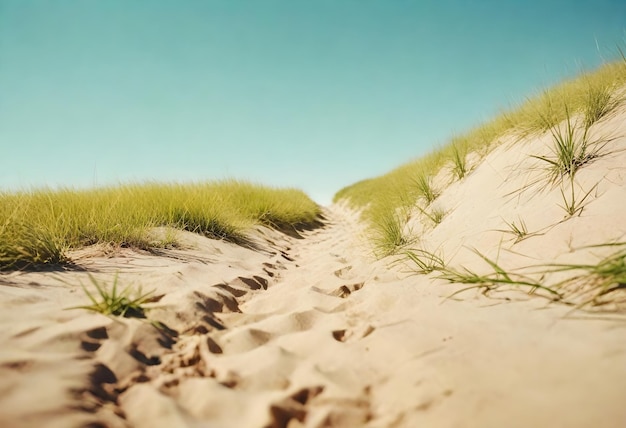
(312, 331)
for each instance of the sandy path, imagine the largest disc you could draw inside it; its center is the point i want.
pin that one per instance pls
(339, 340)
(302, 332)
(280, 359)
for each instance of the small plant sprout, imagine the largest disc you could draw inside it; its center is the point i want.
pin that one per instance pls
(519, 229)
(114, 302)
(425, 261)
(571, 204)
(435, 215)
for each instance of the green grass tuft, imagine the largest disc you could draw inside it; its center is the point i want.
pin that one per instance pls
(588, 289)
(424, 186)
(497, 278)
(115, 302)
(459, 160)
(388, 235)
(598, 280)
(571, 204)
(435, 215)
(601, 99)
(572, 149)
(519, 230)
(425, 261)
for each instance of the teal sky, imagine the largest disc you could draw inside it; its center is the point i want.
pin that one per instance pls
(314, 94)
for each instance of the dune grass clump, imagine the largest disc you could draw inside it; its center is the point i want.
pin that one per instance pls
(115, 302)
(389, 234)
(572, 204)
(459, 160)
(424, 262)
(38, 227)
(435, 214)
(424, 186)
(591, 95)
(571, 150)
(601, 100)
(519, 229)
(386, 199)
(21, 246)
(497, 278)
(587, 289)
(596, 280)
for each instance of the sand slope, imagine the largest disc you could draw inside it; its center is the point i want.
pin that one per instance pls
(313, 332)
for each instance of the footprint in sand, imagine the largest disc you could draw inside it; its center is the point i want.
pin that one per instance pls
(216, 303)
(344, 273)
(242, 340)
(231, 291)
(254, 283)
(276, 265)
(341, 292)
(91, 340)
(348, 335)
(346, 290)
(272, 269)
(340, 258)
(293, 407)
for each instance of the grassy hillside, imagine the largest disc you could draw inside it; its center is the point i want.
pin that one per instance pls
(387, 199)
(39, 227)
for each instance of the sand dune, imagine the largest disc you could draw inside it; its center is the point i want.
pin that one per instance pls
(312, 331)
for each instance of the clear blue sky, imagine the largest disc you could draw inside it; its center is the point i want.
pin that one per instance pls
(315, 94)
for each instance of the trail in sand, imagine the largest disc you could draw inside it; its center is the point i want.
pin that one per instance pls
(281, 358)
(306, 331)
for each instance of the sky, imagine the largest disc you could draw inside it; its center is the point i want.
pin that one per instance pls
(313, 94)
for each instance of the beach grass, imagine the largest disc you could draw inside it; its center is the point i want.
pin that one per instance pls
(519, 229)
(572, 148)
(435, 215)
(424, 261)
(574, 204)
(601, 99)
(592, 95)
(122, 303)
(497, 278)
(586, 286)
(459, 158)
(388, 234)
(424, 186)
(39, 227)
(595, 281)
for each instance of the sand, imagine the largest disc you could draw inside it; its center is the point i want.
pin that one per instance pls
(313, 331)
